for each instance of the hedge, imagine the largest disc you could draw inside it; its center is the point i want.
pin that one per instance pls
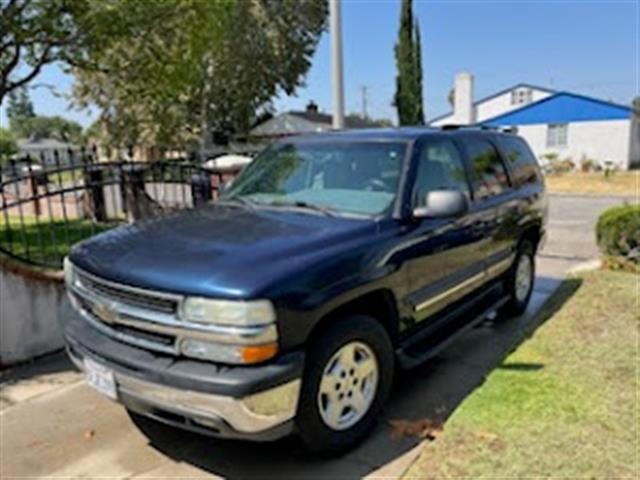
(618, 235)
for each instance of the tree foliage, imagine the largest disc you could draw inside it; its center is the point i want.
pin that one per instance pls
(33, 33)
(408, 98)
(20, 105)
(50, 127)
(24, 123)
(8, 145)
(164, 71)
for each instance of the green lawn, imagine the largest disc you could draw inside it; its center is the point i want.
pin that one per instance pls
(565, 404)
(45, 243)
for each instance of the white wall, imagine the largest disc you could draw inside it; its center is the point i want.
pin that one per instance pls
(29, 309)
(493, 107)
(601, 141)
(502, 104)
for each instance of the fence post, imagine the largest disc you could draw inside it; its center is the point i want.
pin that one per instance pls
(93, 178)
(33, 185)
(201, 191)
(133, 191)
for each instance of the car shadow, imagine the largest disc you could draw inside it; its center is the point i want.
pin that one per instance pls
(49, 364)
(422, 397)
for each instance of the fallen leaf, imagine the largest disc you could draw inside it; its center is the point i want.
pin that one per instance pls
(487, 435)
(423, 428)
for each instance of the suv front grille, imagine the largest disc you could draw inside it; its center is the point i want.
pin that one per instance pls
(141, 317)
(126, 295)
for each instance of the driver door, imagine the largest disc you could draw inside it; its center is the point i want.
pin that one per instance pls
(446, 260)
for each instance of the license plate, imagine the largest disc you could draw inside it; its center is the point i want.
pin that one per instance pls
(100, 378)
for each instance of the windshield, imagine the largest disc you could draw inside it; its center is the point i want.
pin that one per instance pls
(356, 177)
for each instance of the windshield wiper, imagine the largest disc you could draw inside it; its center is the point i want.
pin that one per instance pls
(302, 204)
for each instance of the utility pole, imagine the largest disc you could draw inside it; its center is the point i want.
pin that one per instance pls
(364, 101)
(337, 82)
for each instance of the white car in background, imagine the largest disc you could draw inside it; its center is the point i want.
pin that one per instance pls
(227, 162)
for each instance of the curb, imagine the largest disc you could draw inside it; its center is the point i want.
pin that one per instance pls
(587, 266)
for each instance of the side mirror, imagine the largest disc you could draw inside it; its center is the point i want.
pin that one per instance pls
(443, 204)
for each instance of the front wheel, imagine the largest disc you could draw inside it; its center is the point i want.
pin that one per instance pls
(346, 382)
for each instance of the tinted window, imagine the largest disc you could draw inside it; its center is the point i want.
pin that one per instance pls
(350, 177)
(488, 174)
(440, 168)
(523, 163)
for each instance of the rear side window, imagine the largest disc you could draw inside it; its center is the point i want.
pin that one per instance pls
(488, 175)
(521, 159)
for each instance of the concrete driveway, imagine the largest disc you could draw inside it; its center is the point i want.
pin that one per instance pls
(51, 424)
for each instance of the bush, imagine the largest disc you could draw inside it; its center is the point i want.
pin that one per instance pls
(553, 164)
(618, 236)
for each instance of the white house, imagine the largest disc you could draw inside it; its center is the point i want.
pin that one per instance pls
(44, 150)
(569, 125)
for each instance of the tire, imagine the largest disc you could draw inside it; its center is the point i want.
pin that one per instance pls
(519, 281)
(327, 418)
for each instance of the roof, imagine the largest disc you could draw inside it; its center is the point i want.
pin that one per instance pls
(295, 121)
(497, 94)
(562, 107)
(325, 118)
(44, 144)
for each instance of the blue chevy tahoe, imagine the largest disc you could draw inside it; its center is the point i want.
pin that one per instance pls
(287, 305)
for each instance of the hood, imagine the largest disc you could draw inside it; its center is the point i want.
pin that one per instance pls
(220, 251)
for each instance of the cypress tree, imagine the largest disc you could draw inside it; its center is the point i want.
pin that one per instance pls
(417, 65)
(408, 97)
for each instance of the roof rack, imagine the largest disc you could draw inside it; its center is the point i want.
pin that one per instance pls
(473, 126)
(479, 126)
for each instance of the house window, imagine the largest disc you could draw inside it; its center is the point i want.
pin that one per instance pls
(557, 135)
(521, 96)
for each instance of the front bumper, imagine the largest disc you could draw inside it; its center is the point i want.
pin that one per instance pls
(252, 402)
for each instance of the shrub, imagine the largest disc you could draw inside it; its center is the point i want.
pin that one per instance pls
(589, 165)
(553, 164)
(618, 236)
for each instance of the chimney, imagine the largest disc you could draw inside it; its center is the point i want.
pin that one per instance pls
(463, 110)
(312, 107)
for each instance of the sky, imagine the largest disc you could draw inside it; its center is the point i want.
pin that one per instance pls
(589, 47)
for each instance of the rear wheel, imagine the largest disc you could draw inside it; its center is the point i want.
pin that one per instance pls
(346, 382)
(519, 281)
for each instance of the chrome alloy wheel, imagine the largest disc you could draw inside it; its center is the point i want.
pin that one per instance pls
(524, 278)
(348, 386)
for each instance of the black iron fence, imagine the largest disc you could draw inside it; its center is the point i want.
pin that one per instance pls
(47, 206)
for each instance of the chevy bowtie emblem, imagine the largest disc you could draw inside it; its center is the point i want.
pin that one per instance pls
(105, 312)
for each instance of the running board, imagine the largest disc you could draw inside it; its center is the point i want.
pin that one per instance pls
(420, 351)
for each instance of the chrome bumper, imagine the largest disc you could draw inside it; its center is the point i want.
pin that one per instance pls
(249, 415)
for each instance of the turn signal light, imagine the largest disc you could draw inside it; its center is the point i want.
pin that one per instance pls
(259, 353)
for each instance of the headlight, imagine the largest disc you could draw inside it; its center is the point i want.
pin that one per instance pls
(69, 276)
(228, 312)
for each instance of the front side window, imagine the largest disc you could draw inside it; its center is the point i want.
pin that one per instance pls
(557, 135)
(488, 174)
(440, 168)
(345, 177)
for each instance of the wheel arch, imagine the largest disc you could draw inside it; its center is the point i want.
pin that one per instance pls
(379, 304)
